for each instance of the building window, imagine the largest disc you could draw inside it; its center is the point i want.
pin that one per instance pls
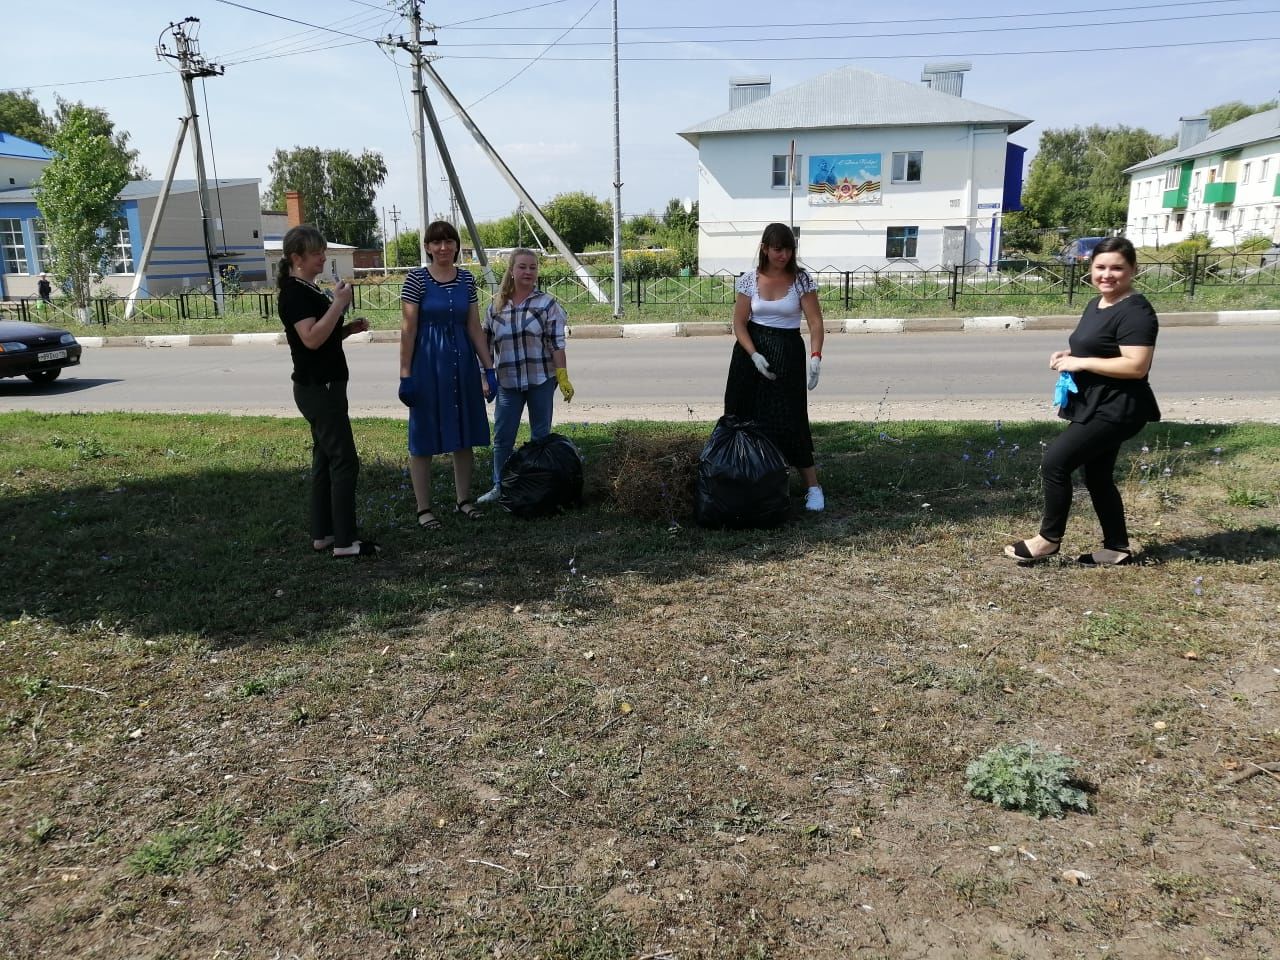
(908, 166)
(1172, 177)
(780, 170)
(1195, 180)
(1266, 168)
(121, 253)
(1244, 172)
(44, 255)
(1177, 221)
(11, 246)
(1222, 217)
(900, 243)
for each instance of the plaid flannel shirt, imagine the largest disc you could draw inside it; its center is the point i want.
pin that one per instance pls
(522, 338)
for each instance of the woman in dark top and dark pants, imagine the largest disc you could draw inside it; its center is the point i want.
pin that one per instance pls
(1109, 357)
(313, 326)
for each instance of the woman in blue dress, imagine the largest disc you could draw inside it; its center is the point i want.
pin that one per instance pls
(440, 379)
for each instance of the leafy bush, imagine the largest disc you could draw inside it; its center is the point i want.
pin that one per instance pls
(1026, 777)
(648, 264)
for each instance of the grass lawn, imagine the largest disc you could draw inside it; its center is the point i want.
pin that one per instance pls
(601, 737)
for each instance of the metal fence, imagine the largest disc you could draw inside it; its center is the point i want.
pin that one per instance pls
(846, 290)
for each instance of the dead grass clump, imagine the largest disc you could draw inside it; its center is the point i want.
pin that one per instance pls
(651, 475)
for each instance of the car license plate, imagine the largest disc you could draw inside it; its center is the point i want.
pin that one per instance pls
(52, 355)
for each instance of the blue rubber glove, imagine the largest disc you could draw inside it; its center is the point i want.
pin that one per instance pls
(491, 378)
(406, 391)
(1066, 385)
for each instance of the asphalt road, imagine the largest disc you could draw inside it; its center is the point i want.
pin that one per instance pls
(1205, 373)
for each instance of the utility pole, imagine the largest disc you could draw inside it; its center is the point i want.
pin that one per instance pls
(191, 65)
(395, 225)
(414, 48)
(617, 177)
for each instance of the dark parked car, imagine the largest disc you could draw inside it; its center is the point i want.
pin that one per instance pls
(35, 351)
(1079, 250)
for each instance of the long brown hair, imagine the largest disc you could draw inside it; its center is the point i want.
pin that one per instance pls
(778, 235)
(507, 289)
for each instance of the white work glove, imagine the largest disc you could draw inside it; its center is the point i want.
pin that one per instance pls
(763, 366)
(815, 368)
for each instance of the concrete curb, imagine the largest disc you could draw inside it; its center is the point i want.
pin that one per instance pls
(712, 328)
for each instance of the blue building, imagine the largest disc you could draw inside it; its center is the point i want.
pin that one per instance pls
(178, 261)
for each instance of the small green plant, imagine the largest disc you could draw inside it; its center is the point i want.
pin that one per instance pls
(42, 830)
(1027, 777)
(211, 839)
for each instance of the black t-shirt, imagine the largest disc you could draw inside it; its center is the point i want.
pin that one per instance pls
(298, 301)
(1101, 332)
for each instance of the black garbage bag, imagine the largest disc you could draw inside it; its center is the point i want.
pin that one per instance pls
(542, 477)
(742, 478)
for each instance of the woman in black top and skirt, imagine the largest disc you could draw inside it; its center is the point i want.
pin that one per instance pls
(313, 326)
(1109, 357)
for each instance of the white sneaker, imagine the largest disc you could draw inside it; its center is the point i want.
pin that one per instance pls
(814, 500)
(491, 496)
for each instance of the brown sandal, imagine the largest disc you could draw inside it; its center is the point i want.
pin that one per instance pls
(468, 509)
(427, 520)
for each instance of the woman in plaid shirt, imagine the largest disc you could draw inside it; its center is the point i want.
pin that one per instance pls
(526, 331)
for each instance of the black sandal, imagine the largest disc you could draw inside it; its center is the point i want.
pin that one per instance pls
(1087, 560)
(468, 509)
(427, 520)
(1024, 557)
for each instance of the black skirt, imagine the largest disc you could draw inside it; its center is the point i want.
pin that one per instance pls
(781, 406)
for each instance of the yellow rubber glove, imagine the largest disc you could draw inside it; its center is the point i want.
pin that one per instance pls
(566, 388)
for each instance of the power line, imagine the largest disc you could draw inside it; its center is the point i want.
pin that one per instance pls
(544, 52)
(354, 21)
(505, 13)
(76, 83)
(301, 23)
(719, 27)
(851, 58)
(875, 36)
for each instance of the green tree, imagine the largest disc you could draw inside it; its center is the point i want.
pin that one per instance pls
(337, 188)
(640, 231)
(676, 217)
(504, 232)
(406, 250)
(580, 219)
(98, 123)
(1227, 113)
(76, 195)
(20, 115)
(1077, 178)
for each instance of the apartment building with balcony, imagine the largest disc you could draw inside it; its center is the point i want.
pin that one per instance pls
(1224, 184)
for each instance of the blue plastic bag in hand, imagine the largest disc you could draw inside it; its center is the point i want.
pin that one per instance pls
(1066, 385)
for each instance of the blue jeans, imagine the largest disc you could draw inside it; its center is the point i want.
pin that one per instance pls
(508, 409)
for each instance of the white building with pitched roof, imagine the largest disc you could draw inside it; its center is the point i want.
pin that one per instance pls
(886, 174)
(1224, 184)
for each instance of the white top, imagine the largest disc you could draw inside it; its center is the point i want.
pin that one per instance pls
(784, 314)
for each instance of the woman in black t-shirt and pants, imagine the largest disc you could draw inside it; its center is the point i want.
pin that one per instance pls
(1109, 357)
(313, 326)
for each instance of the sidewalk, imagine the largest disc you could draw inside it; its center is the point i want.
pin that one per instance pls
(603, 331)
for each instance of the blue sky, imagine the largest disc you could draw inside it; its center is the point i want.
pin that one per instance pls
(287, 87)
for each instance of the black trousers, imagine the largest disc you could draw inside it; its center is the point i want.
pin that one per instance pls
(334, 461)
(1094, 445)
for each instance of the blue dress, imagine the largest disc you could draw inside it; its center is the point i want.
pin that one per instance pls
(448, 410)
